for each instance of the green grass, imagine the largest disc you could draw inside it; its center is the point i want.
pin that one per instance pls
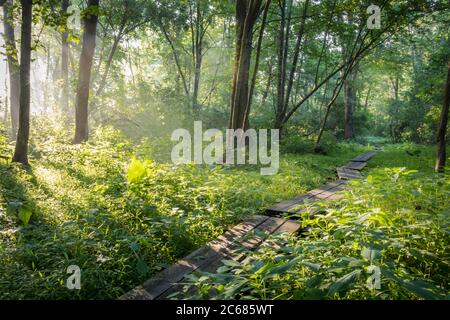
(87, 210)
(411, 156)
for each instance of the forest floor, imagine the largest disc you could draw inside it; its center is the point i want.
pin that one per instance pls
(121, 219)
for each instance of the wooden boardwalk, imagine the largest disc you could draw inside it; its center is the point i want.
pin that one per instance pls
(249, 234)
(327, 192)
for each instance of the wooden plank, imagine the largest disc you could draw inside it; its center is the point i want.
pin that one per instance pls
(355, 165)
(331, 194)
(268, 227)
(165, 279)
(365, 156)
(311, 196)
(325, 195)
(338, 188)
(348, 174)
(289, 226)
(325, 188)
(138, 293)
(225, 241)
(336, 196)
(283, 206)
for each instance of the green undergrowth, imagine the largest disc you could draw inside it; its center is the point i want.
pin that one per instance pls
(388, 238)
(122, 219)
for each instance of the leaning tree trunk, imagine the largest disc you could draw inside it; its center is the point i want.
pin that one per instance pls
(281, 63)
(104, 78)
(349, 102)
(441, 136)
(21, 151)
(285, 78)
(84, 76)
(13, 65)
(257, 56)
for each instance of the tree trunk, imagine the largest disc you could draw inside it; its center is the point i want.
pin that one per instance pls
(441, 136)
(246, 16)
(13, 66)
(268, 85)
(198, 63)
(84, 77)
(396, 87)
(350, 98)
(198, 57)
(47, 77)
(65, 64)
(281, 67)
(108, 65)
(349, 101)
(175, 56)
(241, 12)
(21, 151)
(285, 79)
(5, 118)
(366, 102)
(296, 56)
(336, 92)
(257, 57)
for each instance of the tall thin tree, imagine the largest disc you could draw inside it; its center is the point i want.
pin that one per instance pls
(13, 65)
(441, 136)
(65, 63)
(247, 13)
(84, 76)
(21, 150)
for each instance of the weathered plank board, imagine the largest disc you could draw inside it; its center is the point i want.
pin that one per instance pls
(330, 194)
(355, 165)
(348, 174)
(285, 205)
(365, 156)
(327, 187)
(319, 194)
